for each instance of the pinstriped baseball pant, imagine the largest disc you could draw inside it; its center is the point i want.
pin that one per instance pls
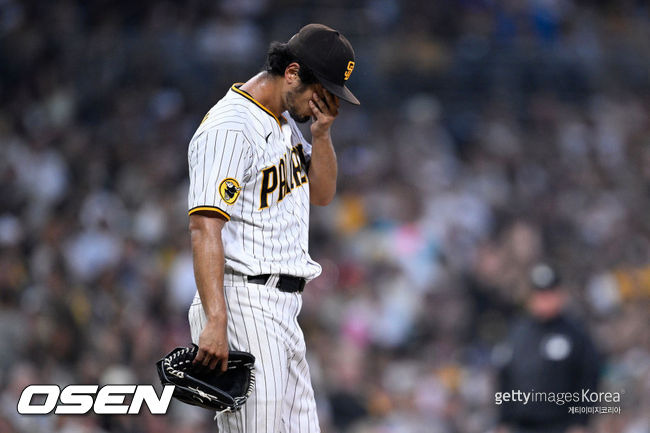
(263, 321)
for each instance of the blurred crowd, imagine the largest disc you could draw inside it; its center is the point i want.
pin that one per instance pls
(492, 134)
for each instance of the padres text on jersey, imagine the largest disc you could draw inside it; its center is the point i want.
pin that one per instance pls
(251, 168)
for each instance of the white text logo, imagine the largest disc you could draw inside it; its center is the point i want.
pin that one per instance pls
(80, 399)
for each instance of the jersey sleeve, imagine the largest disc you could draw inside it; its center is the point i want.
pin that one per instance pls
(220, 162)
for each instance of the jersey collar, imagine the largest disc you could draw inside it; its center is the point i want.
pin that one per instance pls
(235, 88)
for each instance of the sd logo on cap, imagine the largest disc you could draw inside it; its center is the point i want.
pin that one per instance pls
(329, 55)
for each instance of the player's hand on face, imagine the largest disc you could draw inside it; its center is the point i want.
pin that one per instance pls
(325, 108)
(213, 347)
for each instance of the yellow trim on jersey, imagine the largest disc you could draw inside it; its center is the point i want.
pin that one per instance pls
(255, 101)
(210, 208)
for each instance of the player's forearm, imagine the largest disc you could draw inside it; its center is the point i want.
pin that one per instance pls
(207, 251)
(322, 171)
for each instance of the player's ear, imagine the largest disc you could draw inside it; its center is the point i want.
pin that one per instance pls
(291, 73)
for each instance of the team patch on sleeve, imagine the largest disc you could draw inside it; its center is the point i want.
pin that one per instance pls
(229, 190)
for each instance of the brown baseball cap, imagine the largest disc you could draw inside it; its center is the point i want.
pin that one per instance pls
(328, 54)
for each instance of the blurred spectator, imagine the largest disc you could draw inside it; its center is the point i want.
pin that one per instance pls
(548, 352)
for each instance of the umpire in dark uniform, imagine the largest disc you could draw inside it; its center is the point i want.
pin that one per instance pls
(548, 352)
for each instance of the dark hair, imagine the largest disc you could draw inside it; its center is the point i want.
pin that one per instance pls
(279, 57)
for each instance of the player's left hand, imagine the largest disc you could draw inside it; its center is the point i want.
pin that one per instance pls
(325, 108)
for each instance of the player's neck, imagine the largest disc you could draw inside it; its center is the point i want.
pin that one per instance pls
(266, 89)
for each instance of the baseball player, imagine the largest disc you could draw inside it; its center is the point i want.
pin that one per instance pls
(252, 178)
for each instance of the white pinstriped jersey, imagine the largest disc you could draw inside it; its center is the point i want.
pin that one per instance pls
(251, 167)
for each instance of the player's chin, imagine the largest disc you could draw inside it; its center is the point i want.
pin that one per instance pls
(300, 118)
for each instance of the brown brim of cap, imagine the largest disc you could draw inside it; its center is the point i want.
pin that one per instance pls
(340, 91)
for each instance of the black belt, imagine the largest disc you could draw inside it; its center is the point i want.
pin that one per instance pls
(286, 283)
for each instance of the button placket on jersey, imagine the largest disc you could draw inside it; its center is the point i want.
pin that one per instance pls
(286, 135)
